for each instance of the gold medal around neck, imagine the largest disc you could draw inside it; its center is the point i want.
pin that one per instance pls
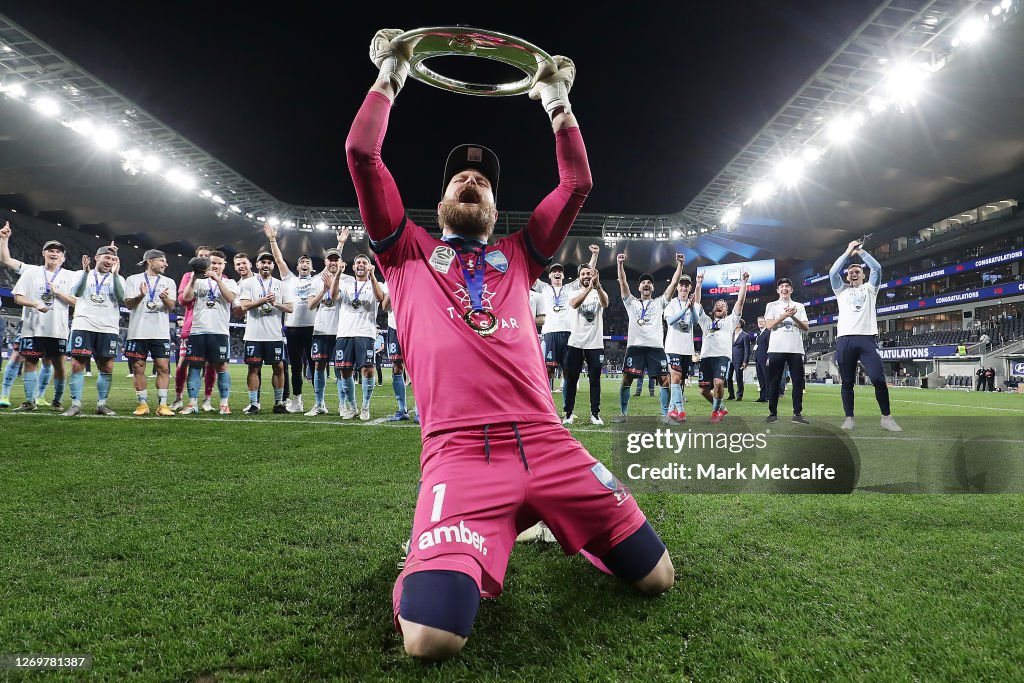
(151, 305)
(485, 327)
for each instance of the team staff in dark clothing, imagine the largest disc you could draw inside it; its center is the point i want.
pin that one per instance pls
(980, 385)
(740, 358)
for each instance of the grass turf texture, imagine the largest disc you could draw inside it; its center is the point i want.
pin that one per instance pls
(264, 549)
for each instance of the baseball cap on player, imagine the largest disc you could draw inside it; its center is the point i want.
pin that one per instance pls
(647, 276)
(106, 249)
(264, 256)
(53, 244)
(556, 266)
(150, 253)
(332, 253)
(472, 156)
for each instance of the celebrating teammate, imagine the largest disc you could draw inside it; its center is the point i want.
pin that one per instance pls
(45, 296)
(95, 328)
(264, 299)
(586, 343)
(558, 315)
(359, 299)
(494, 457)
(857, 331)
(181, 373)
(716, 347)
(787, 320)
(208, 342)
(324, 298)
(149, 297)
(300, 321)
(646, 350)
(681, 316)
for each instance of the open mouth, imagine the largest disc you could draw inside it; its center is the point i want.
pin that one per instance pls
(469, 196)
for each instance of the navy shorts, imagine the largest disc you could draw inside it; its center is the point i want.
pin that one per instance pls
(639, 358)
(260, 352)
(394, 346)
(354, 352)
(322, 348)
(209, 348)
(40, 347)
(680, 363)
(555, 344)
(97, 344)
(715, 367)
(140, 349)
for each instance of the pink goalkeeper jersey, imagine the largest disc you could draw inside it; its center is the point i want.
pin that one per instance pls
(186, 326)
(461, 378)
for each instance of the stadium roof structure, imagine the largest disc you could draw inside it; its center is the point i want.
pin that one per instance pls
(870, 156)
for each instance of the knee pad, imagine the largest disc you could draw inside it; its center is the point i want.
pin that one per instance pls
(635, 557)
(441, 599)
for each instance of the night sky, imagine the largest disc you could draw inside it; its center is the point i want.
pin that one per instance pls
(664, 98)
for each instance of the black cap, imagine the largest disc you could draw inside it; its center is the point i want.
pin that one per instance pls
(304, 256)
(106, 249)
(264, 256)
(784, 281)
(685, 278)
(646, 276)
(556, 266)
(472, 156)
(53, 244)
(332, 252)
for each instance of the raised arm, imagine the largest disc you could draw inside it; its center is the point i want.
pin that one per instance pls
(282, 265)
(5, 249)
(620, 260)
(875, 276)
(835, 273)
(380, 203)
(742, 298)
(674, 282)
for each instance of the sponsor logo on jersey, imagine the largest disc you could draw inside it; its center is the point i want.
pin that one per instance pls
(452, 534)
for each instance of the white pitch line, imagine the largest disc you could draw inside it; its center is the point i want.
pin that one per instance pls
(957, 405)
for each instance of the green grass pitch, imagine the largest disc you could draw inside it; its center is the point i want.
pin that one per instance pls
(265, 549)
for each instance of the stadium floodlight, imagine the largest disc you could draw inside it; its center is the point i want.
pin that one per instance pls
(47, 106)
(82, 126)
(676, 234)
(810, 154)
(151, 164)
(179, 178)
(762, 190)
(205, 194)
(971, 31)
(321, 226)
(274, 221)
(289, 224)
(14, 90)
(843, 127)
(731, 216)
(236, 209)
(106, 138)
(876, 105)
(1006, 4)
(218, 199)
(996, 11)
(789, 171)
(904, 82)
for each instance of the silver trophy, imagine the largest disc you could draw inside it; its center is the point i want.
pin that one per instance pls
(465, 41)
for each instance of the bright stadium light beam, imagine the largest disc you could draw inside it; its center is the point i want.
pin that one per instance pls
(762, 190)
(15, 90)
(151, 164)
(789, 171)
(106, 138)
(274, 221)
(876, 105)
(971, 31)
(810, 154)
(321, 226)
(904, 82)
(730, 216)
(179, 178)
(842, 129)
(47, 106)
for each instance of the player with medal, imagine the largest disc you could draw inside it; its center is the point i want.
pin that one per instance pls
(719, 328)
(558, 314)
(646, 346)
(149, 297)
(489, 424)
(208, 339)
(95, 329)
(681, 317)
(857, 331)
(323, 298)
(44, 292)
(358, 300)
(265, 300)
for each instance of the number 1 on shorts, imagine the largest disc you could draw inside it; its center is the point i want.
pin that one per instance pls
(435, 513)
